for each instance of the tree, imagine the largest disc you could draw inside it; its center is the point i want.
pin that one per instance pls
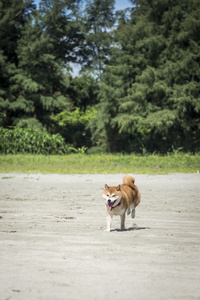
(150, 96)
(40, 78)
(84, 91)
(97, 24)
(35, 80)
(61, 22)
(72, 122)
(13, 16)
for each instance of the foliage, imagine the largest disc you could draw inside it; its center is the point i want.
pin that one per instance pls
(141, 92)
(75, 118)
(150, 95)
(84, 91)
(73, 125)
(41, 43)
(19, 140)
(14, 14)
(97, 23)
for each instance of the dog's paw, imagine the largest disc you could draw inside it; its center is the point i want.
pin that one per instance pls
(133, 213)
(107, 230)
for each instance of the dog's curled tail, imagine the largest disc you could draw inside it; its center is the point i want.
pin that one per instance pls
(129, 180)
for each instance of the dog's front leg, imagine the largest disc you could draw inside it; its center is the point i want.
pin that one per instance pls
(109, 222)
(123, 221)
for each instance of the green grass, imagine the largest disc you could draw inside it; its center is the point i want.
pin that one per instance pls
(103, 163)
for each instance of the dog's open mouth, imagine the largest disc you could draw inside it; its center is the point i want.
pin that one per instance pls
(110, 205)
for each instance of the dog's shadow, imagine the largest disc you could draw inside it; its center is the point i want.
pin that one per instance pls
(131, 229)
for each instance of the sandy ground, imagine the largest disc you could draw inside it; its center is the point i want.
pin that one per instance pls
(53, 244)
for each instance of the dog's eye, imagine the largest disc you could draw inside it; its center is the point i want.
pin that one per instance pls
(107, 195)
(113, 195)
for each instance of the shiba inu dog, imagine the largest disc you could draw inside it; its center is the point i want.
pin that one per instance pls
(121, 198)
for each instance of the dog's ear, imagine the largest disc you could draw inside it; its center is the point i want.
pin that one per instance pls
(118, 188)
(106, 187)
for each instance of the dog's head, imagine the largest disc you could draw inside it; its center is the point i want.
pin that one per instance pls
(112, 196)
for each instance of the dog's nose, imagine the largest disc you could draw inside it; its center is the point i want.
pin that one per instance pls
(109, 200)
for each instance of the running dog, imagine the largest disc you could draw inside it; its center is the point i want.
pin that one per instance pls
(121, 199)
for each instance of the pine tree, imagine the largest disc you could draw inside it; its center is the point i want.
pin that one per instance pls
(98, 23)
(84, 91)
(150, 95)
(13, 15)
(40, 78)
(35, 72)
(62, 24)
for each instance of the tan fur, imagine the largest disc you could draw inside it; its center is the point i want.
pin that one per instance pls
(121, 198)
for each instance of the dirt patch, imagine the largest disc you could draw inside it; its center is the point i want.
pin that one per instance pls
(53, 244)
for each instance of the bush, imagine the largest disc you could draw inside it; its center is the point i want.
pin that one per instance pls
(72, 125)
(27, 140)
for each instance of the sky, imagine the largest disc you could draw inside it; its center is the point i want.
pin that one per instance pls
(119, 4)
(122, 4)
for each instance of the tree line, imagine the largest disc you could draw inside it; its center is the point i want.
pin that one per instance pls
(139, 85)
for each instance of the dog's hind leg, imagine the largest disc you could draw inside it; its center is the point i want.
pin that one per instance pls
(132, 206)
(128, 211)
(133, 213)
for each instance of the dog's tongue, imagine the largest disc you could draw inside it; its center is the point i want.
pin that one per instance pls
(110, 206)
